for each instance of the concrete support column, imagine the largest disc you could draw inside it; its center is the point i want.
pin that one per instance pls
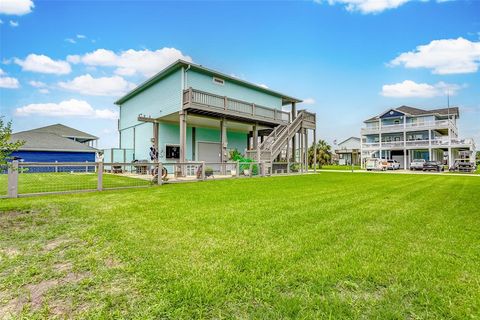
(405, 159)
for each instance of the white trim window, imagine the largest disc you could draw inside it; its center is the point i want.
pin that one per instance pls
(218, 81)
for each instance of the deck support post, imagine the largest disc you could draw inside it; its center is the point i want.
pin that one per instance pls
(450, 160)
(183, 139)
(315, 150)
(300, 137)
(306, 150)
(294, 144)
(223, 145)
(160, 173)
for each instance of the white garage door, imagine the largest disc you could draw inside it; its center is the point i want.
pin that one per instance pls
(209, 151)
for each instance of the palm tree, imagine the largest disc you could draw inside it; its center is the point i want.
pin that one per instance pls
(324, 153)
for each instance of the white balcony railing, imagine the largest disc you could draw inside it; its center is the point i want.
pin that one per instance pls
(439, 142)
(439, 124)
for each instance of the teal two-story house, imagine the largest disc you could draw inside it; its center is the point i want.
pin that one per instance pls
(192, 113)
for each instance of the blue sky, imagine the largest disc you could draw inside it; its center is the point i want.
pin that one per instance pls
(67, 61)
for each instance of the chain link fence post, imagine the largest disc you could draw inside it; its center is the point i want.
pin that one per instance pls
(13, 179)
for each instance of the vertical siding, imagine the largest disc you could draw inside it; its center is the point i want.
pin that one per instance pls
(204, 82)
(126, 138)
(237, 140)
(159, 100)
(143, 136)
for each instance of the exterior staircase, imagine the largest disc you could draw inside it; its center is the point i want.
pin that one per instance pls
(278, 139)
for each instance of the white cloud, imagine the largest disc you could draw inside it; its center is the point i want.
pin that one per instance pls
(9, 83)
(104, 86)
(309, 101)
(37, 84)
(67, 108)
(44, 91)
(446, 56)
(367, 6)
(16, 7)
(70, 40)
(131, 62)
(13, 23)
(411, 89)
(43, 64)
(81, 36)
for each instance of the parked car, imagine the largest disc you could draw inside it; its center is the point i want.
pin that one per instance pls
(463, 165)
(417, 164)
(433, 166)
(393, 165)
(376, 164)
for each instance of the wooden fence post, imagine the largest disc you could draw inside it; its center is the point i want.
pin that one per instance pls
(100, 176)
(13, 179)
(160, 174)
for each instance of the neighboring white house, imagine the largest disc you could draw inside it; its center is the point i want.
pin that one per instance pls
(348, 151)
(407, 133)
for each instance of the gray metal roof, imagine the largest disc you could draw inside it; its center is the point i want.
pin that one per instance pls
(453, 111)
(45, 141)
(64, 131)
(181, 63)
(352, 137)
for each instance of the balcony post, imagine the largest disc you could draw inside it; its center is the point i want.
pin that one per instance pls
(225, 103)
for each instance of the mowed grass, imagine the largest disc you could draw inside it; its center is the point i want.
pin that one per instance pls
(64, 181)
(331, 245)
(339, 167)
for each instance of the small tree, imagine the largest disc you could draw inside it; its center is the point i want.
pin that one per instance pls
(6, 146)
(324, 153)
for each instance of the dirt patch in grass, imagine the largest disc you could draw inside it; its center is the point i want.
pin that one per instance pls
(351, 291)
(34, 294)
(9, 252)
(55, 243)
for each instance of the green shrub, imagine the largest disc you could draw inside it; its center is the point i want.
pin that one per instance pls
(235, 155)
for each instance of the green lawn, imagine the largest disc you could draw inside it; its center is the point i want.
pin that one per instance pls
(339, 167)
(63, 181)
(330, 245)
